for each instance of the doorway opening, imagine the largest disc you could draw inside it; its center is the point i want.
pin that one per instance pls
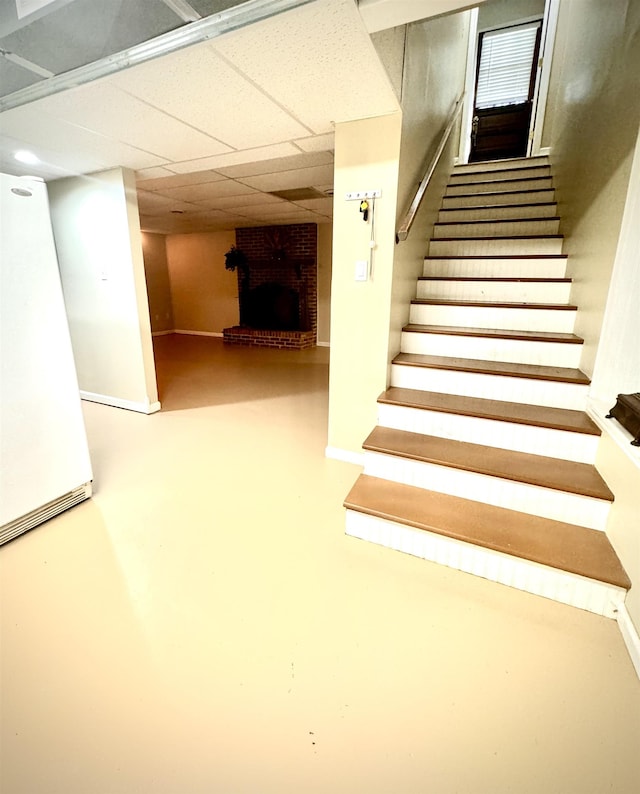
(506, 69)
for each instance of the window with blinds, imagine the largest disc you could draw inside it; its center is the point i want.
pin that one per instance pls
(506, 61)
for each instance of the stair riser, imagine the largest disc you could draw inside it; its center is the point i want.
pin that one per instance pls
(557, 321)
(550, 354)
(509, 291)
(553, 394)
(507, 247)
(501, 165)
(514, 186)
(499, 213)
(506, 173)
(496, 268)
(534, 440)
(479, 200)
(497, 228)
(566, 588)
(571, 508)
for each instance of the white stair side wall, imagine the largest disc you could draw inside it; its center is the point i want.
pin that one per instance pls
(496, 246)
(560, 321)
(567, 588)
(532, 439)
(496, 290)
(483, 199)
(552, 267)
(584, 511)
(506, 173)
(531, 391)
(498, 228)
(498, 213)
(513, 186)
(551, 354)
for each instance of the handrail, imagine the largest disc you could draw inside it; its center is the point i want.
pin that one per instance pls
(405, 226)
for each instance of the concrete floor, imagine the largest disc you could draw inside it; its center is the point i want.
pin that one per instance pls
(203, 625)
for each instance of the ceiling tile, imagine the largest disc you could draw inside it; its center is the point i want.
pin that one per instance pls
(198, 87)
(318, 143)
(324, 205)
(280, 164)
(178, 180)
(68, 142)
(237, 203)
(286, 180)
(210, 191)
(135, 123)
(152, 173)
(327, 49)
(233, 158)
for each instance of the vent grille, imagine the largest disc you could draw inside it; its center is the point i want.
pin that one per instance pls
(44, 513)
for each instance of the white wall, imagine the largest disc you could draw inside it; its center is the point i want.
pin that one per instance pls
(97, 233)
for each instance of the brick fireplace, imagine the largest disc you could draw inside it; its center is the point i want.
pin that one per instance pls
(278, 288)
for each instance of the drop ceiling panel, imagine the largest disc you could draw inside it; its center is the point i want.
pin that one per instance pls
(14, 77)
(152, 204)
(318, 143)
(286, 180)
(86, 30)
(92, 107)
(209, 191)
(179, 180)
(324, 205)
(201, 89)
(152, 173)
(71, 144)
(233, 158)
(327, 46)
(279, 164)
(207, 7)
(238, 203)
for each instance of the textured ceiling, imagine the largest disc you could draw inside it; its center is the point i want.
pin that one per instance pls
(211, 129)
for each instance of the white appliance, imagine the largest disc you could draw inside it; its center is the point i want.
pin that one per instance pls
(44, 456)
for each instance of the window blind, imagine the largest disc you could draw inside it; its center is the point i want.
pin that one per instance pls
(506, 59)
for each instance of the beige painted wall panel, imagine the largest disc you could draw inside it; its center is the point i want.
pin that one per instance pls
(325, 242)
(434, 79)
(591, 125)
(156, 268)
(97, 234)
(204, 295)
(366, 155)
(623, 526)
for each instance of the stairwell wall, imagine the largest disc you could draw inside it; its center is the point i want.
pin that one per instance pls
(434, 77)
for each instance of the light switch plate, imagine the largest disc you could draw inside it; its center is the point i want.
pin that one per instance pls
(362, 270)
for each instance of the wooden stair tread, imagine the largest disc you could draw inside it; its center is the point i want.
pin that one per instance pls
(553, 473)
(494, 304)
(496, 279)
(495, 220)
(527, 236)
(501, 182)
(500, 207)
(482, 257)
(537, 415)
(494, 333)
(577, 550)
(534, 371)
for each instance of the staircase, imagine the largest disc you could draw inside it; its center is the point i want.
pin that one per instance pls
(483, 456)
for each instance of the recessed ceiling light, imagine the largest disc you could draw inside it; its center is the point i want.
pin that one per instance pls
(23, 156)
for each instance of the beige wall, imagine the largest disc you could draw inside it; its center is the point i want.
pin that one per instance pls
(591, 126)
(156, 269)
(325, 242)
(204, 295)
(496, 13)
(366, 158)
(435, 62)
(97, 233)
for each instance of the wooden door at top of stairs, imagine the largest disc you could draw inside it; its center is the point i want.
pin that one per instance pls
(502, 113)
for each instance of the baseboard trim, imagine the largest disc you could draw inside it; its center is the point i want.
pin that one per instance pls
(630, 636)
(323, 344)
(163, 333)
(116, 402)
(197, 333)
(345, 455)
